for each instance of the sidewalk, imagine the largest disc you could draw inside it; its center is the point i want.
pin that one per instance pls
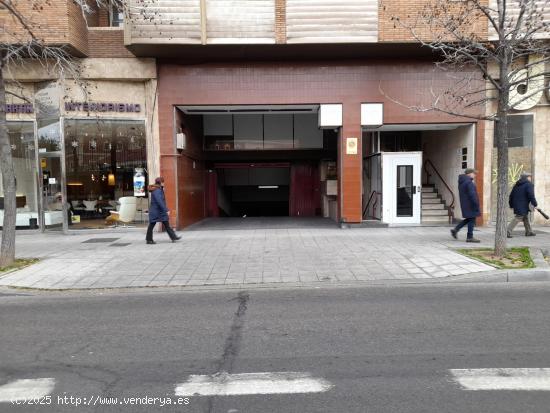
(310, 254)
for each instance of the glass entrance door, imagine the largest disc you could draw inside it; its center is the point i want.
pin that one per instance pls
(54, 211)
(402, 187)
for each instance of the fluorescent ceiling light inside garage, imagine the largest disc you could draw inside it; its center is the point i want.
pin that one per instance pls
(268, 186)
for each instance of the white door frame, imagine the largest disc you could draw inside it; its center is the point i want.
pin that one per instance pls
(390, 162)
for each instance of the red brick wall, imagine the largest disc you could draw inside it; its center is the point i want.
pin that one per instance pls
(103, 18)
(107, 42)
(350, 83)
(409, 13)
(280, 21)
(60, 22)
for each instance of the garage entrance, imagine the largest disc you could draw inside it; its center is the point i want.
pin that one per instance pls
(264, 189)
(251, 190)
(261, 161)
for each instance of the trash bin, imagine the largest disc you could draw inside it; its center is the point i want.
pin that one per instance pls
(33, 223)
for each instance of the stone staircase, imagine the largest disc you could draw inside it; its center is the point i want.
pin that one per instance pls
(434, 211)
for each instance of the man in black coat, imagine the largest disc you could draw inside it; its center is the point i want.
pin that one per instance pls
(469, 203)
(521, 196)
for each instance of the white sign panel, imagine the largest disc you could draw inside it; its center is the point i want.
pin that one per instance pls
(330, 116)
(372, 114)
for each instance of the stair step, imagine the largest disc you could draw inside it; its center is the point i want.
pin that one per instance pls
(428, 189)
(435, 212)
(429, 195)
(372, 223)
(436, 219)
(431, 201)
(440, 205)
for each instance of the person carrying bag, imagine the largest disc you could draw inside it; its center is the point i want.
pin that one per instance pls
(522, 195)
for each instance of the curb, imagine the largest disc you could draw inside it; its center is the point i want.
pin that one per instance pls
(540, 273)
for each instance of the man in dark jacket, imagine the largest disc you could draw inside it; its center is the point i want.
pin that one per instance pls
(158, 212)
(469, 203)
(521, 196)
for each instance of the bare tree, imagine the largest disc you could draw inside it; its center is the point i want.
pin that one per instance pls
(497, 52)
(23, 41)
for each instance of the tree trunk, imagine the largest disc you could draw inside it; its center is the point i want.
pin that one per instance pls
(501, 129)
(7, 249)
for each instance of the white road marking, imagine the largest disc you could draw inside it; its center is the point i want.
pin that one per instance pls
(26, 389)
(225, 384)
(526, 379)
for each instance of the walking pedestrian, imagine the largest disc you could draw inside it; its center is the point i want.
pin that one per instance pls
(469, 203)
(523, 194)
(158, 212)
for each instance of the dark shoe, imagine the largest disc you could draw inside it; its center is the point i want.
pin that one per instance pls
(508, 235)
(176, 239)
(151, 242)
(473, 240)
(530, 234)
(453, 233)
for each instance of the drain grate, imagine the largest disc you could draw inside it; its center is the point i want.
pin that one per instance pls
(120, 244)
(95, 240)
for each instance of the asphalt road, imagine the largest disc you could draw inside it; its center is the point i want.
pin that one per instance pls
(382, 349)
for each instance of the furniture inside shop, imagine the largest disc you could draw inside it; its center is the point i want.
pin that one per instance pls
(126, 213)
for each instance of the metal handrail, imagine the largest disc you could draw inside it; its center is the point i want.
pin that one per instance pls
(368, 203)
(451, 209)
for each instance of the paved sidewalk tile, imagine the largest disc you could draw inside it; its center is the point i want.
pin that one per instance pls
(242, 255)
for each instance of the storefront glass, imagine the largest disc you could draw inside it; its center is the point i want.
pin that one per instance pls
(24, 162)
(105, 161)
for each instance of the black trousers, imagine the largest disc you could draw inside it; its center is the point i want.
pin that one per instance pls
(467, 221)
(167, 227)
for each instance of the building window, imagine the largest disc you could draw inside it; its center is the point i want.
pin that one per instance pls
(102, 158)
(520, 131)
(116, 16)
(23, 152)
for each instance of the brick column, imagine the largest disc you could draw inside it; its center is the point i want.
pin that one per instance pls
(280, 21)
(350, 166)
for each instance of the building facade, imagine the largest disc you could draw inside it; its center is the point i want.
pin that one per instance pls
(266, 108)
(286, 108)
(79, 144)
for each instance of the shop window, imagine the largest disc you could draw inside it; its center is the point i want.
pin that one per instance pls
(520, 131)
(23, 149)
(102, 160)
(520, 153)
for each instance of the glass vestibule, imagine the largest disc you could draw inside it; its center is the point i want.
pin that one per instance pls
(21, 135)
(102, 158)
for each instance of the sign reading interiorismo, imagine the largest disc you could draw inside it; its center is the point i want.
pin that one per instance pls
(17, 108)
(102, 107)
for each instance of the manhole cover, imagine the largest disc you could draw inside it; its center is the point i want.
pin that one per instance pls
(120, 244)
(94, 240)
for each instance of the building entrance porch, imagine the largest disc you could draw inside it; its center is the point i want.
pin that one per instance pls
(410, 172)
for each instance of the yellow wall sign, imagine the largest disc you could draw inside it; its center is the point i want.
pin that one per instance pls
(351, 146)
(43, 163)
